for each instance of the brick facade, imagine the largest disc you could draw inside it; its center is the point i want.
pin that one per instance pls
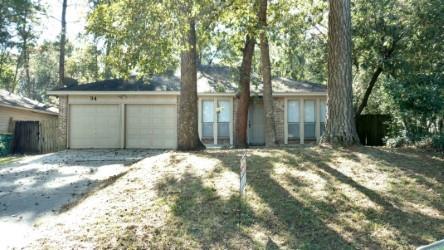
(62, 132)
(279, 112)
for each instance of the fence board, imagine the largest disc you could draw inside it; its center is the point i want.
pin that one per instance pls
(32, 137)
(26, 137)
(48, 139)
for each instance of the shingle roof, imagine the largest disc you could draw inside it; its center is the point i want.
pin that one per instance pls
(210, 79)
(13, 100)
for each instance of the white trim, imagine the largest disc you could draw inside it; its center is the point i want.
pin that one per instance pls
(296, 94)
(122, 126)
(301, 120)
(217, 94)
(318, 120)
(231, 121)
(68, 122)
(215, 122)
(57, 93)
(199, 117)
(174, 93)
(155, 93)
(285, 120)
(29, 109)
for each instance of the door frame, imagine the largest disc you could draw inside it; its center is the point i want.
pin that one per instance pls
(215, 99)
(250, 133)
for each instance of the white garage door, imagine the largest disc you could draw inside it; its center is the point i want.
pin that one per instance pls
(151, 126)
(95, 126)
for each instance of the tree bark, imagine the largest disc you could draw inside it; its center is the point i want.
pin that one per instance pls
(387, 54)
(244, 94)
(14, 81)
(29, 86)
(270, 129)
(62, 45)
(340, 128)
(188, 111)
(368, 91)
(108, 73)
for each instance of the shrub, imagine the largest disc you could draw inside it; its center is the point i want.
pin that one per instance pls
(396, 142)
(438, 142)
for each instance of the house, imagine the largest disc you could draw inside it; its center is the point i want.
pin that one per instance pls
(17, 108)
(136, 114)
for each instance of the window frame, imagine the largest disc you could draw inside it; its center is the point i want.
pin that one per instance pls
(301, 99)
(215, 122)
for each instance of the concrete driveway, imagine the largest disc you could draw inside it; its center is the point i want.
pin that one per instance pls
(39, 187)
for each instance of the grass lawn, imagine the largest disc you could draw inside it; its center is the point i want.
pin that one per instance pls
(303, 197)
(8, 159)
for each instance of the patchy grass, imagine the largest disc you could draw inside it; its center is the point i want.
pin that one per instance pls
(9, 159)
(303, 197)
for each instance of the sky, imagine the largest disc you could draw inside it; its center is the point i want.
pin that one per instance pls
(50, 26)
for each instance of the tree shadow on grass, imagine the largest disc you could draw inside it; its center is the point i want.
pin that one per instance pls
(304, 216)
(420, 165)
(200, 213)
(414, 227)
(303, 227)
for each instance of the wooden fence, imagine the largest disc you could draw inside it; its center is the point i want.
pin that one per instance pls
(48, 136)
(372, 129)
(33, 137)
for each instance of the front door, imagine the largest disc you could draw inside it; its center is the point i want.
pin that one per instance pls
(256, 124)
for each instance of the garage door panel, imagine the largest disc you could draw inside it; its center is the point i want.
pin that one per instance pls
(95, 126)
(151, 126)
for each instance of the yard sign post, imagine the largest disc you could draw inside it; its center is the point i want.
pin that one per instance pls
(243, 183)
(243, 175)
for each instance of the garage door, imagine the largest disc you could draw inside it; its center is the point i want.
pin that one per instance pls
(151, 126)
(95, 126)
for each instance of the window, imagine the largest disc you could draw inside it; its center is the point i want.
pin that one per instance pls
(216, 115)
(223, 120)
(207, 120)
(323, 114)
(293, 120)
(310, 119)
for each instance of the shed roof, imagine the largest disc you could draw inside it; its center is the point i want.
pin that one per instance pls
(210, 79)
(11, 100)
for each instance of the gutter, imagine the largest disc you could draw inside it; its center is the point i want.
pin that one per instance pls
(30, 109)
(173, 93)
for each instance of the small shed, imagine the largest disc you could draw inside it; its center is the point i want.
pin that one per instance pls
(14, 108)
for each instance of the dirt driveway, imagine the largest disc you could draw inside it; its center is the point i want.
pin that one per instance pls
(39, 187)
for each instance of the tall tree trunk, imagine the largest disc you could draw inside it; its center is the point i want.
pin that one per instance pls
(270, 129)
(340, 127)
(368, 91)
(188, 111)
(26, 65)
(108, 73)
(17, 67)
(244, 94)
(96, 59)
(62, 45)
(2, 61)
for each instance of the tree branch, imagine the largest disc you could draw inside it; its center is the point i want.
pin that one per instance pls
(369, 91)
(388, 53)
